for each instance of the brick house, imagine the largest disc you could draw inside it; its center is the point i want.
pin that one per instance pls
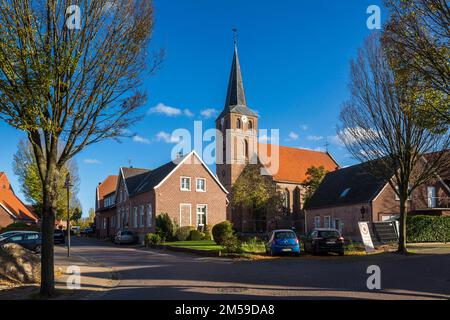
(239, 144)
(185, 189)
(12, 209)
(352, 194)
(105, 207)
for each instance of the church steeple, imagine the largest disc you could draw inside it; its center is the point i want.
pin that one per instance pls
(235, 93)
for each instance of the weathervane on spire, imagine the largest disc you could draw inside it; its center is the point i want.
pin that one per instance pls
(235, 35)
(326, 144)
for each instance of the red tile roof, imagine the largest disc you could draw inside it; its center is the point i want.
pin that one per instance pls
(12, 203)
(107, 186)
(294, 162)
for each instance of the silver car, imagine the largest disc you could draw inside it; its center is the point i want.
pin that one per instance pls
(125, 237)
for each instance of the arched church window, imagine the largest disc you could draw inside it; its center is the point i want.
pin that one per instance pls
(286, 199)
(250, 125)
(246, 149)
(238, 124)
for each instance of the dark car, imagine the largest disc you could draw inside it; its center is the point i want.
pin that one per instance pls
(324, 241)
(59, 236)
(283, 241)
(29, 240)
(125, 237)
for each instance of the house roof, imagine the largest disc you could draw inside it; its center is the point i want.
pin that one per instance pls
(108, 186)
(11, 203)
(294, 162)
(133, 177)
(351, 185)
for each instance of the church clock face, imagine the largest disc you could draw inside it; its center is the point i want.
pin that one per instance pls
(244, 119)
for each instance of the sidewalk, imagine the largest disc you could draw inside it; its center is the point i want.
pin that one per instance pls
(95, 280)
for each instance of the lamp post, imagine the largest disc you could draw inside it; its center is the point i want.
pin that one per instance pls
(67, 186)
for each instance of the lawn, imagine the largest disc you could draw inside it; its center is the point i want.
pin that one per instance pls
(199, 245)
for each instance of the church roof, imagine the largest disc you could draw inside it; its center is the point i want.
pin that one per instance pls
(294, 162)
(235, 101)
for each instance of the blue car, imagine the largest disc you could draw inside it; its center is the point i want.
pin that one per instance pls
(283, 241)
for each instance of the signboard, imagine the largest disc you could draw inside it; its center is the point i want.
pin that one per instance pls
(365, 234)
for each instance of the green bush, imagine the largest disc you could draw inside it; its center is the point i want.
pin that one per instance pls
(207, 233)
(254, 245)
(232, 244)
(183, 233)
(428, 229)
(19, 226)
(196, 235)
(222, 231)
(165, 227)
(152, 239)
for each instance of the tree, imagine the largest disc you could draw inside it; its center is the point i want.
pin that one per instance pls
(256, 192)
(418, 37)
(314, 176)
(88, 221)
(68, 86)
(25, 167)
(376, 124)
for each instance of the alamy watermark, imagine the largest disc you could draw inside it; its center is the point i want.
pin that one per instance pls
(374, 280)
(374, 20)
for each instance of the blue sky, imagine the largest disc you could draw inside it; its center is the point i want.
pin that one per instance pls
(294, 57)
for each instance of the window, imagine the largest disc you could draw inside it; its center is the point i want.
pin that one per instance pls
(238, 124)
(317, 221)
(32, 236)
(286, 200)
(250, 125)
(327, 221)
(345, 192)
(397, 198)
(201, 215)
(104, 223)
(431, 195)
(185, 184)
(135, 217)
(200, 184)
(149, 215)
(142, 216)
(113, 221)
(185, 215)
(246, 149)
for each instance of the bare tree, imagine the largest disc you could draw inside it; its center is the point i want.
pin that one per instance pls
(68, 85)
(378, 126)
(418, 38)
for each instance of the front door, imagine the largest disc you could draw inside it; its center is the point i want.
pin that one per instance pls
(338, 225)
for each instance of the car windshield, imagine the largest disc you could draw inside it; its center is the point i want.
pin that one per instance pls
(329, 234)
(127, 233)
(285, 235)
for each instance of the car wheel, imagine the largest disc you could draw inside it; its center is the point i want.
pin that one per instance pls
(38, 249)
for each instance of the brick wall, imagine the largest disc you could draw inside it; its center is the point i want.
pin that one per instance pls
(5, 218)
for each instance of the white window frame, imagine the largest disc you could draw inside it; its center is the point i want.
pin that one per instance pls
(431, 201)
(206, 214)
(135, 216)
(317, 222)
(149, 215)
(190, 213)
(181, 183)
(196, 184)
(325, 222)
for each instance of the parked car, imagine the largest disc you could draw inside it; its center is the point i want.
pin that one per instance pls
(59, 236)
(125, 237)
(324, 241)
(10, 233)
(283, 241)
(29, 240)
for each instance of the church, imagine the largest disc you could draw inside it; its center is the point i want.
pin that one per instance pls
(239, 146)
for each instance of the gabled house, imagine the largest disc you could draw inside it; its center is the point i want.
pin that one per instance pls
(105, 204)
(12, 209)
(352, 194)
(185, 189)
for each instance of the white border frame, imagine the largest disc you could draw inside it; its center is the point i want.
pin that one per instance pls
(206, 214)
(190, 213)
(181, 184)
(198, 190)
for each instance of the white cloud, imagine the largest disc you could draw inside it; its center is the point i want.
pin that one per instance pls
(169, 111)
(166, 137)
(91, 161)
(209, 113)
(292, 136)
(314, 138)
(140, 139)
(304, 127)
(336, 140)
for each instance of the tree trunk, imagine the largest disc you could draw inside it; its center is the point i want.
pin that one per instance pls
(47, 228)
(402, 234)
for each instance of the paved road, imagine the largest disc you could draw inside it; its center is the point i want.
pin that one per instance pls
(153, 274)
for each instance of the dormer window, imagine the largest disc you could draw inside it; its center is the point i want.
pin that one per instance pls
(345, 192)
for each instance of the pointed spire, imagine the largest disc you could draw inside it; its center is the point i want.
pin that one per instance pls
(236, 93)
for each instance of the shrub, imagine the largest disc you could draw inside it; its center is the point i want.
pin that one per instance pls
(254, 245)
(152, 239)
(165, 227)
(222, 231)
(428, 229)
(196, 235)
(207, 233)
(232, 244)
(19, 226)
(183, 233)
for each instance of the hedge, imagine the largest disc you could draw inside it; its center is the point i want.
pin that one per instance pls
(428, 229)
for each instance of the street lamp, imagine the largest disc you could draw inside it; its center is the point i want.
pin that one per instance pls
(67, 185)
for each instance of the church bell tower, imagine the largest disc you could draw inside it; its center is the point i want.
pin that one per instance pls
(238, 126)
